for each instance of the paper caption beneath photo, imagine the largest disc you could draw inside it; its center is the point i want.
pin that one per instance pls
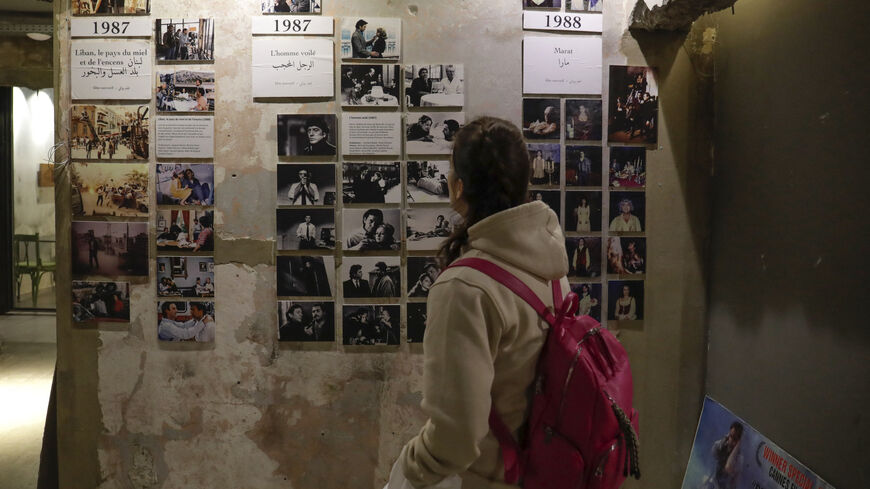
(110, 70)
(185, 137)
(371, 134)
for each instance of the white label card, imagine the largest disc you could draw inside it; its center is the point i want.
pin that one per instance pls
(558, 21)
(119, 69)
(292, 25)
(563, 65)
(292, 68)
(130, 26)
(371, 134)
(185, 136)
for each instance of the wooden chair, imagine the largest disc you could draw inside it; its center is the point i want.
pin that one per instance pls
(27, 260)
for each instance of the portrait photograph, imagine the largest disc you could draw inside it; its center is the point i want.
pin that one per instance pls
(542, 118)
(185, 184)
(368, 325)
(368, 277)
(584, 256)
(305, 229)
(583, 119)
(185, 40)
(590, 299)
(432, 132)
(306, 135)
(626, 256)
(371, 182)
(553, 198)
(185, 91)
(105, 7)
(185, 276)
(371, 229)
(627, 167)
(306, 321)
(633, 106)
(110, 249)
(627, 212)
(625, 300)
(185, 230)
(373, 85)
(546, 167)
(583, 166)
(427, 182)
(109, 132)
(302, 184)
(290, 6)
(109, 189)
(584, 5)
(306, 276)
(371, 38)
(532, 4)
(186, 321)
(416, 321)
(100, 301)
(434, 86)
(426, 228)
(583, 212)
(422, 273)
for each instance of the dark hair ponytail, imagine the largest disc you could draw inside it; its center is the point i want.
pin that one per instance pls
(491, 159)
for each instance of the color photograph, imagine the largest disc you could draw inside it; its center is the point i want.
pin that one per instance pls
(427, 227)
(628, 212)
(583, 212)
(583, 120)
(633, 107)
(369, 85)
(188, 40)
(185, 184)
(368, 277)
(627, 167)
(541, 118)
(553, 198)
(106, 7)
(626, 256)
(434, 86)
(584, 256)
(371, 182)
(100, 301)
(185, 276)
(185, 91)
(625, 300)
(185, 230)
(546, 167)
(306, 135)
(590, 299)
(305, 229)
(427, 182)
(109, 189)
(432, 132)
(583, 166)
(306, 276)
(371, 38)
(306, 184)
(109, 132)
(306, 321)
(186, 321)
(371, 229)
(110, 249)
(368, 325)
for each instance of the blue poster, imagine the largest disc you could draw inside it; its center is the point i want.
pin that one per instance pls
(730, 454)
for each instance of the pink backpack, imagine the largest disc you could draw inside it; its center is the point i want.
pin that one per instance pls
(582, 431)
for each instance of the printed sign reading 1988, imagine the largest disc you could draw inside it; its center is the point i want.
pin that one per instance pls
(554, 21)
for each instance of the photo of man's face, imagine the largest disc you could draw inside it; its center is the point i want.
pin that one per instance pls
(316, 313)
(315, 134)
(368, 223)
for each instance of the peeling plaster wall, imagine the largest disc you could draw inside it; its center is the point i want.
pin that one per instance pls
(249, 412)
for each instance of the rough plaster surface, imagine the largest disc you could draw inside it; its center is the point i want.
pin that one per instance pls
(25, 62)
(672, 15)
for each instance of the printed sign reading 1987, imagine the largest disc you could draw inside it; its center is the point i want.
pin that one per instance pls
(110, 27)
(554, 21)
(290, 25)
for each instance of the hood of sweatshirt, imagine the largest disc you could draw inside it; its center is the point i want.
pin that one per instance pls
(528, 237)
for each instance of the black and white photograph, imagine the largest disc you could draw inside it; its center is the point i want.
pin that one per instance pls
(306, 135)
(185, 184)
(627, 212)
(434, 85)
(371, 182)
(185, 91)
(367, 277)
(542, 118)
(416, 321)
(627, 167)
(583, 119)
(109, 132)
(371, 229)
(100, 301)
(432, 132)
(533, 4)
(583, 166)
(290, 6)
(305, 229)
(187, 40)
(584, 5)
(109, 189)
(584, 256)
(306, 321)
(633, 106)
(110, 249)
(186, 321)
(427, 182)
(306, 184)
(426, 228)
(583, 212)
(371, 38)
(94, 7)
(590, 299)
(371, 325)
(185, 230)
(626, 256)
(546, 167)
(422, 273)
(553, 198)
(306, 276)
(625, 300)
(185, 276)
(369, 85)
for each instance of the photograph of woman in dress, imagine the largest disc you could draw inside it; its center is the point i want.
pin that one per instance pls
(625, 300)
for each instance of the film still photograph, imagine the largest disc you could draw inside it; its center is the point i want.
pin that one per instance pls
(185, 39)
(369, 85)
(290, 6)
(368, 277)
(185, 91)
(371, 182)
(546, 167)
(625, 300)
(371, 324)
(185, 276)
(584, 256)
(434, 86)
(428, 227)
(306, 135)
(306, 184)
(532, 4)
(91, 7)
(372, 38)
(583, 166)
(541, 118)
(100, 301)
(110, 249)
(633, 106)
(416, 321)
(627, 166)
(626, 256)
(422, 272)
(185, 184)
(583, 211)
(306, 276)
(590, 299)
(186, 321)
(432, 132)
(305, 229)
(306, 321)
(553, 198)
(629, 211)
(185, 230)
(109, 132)
(109, 189)
(585, 5)
(371, 229)
(583, 119)
(427, 182)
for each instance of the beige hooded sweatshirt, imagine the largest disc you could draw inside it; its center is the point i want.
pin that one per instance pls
(481, 345)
